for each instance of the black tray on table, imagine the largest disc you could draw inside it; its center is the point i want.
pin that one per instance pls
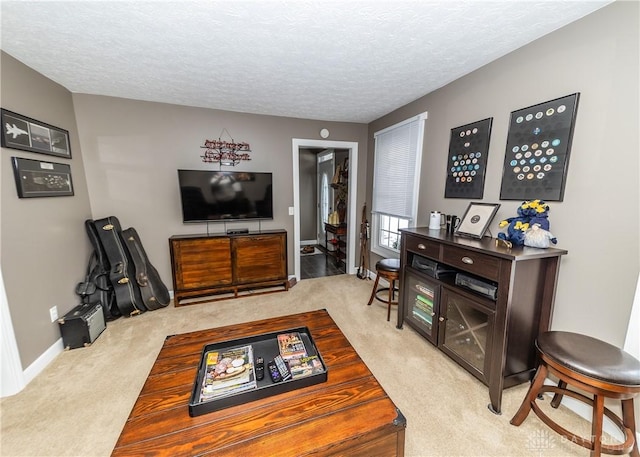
(265, 346)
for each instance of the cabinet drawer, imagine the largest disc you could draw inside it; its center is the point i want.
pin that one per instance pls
(473, 262)
(423, 247)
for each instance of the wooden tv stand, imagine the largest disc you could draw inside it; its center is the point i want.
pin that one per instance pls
(224, 266)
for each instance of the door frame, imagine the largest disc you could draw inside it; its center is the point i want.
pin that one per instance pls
(352, 146)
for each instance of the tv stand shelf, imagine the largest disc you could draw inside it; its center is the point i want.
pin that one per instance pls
(216, 267)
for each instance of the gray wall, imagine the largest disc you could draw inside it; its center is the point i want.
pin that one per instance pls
(598, 57)
(308, 195)
(44, 251)
(133, 149)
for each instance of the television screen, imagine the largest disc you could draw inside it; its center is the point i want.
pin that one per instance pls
(225, 195)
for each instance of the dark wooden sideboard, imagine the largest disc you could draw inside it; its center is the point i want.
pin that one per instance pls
(213, 265)
(492, 337)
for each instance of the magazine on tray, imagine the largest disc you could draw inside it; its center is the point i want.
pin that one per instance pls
(227, 372)
(305, 366)
(291, 345)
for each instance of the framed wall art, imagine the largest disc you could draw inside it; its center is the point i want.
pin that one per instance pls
(467, 160)
(538, 147)
(476, 219)
(41, 179)
(26, 134)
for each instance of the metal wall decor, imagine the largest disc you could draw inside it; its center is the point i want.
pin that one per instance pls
(538, 147)
(26, 134)
(41, 179)
(467, 161)
(225, 152)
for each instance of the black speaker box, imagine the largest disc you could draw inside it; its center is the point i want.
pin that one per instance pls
(82, 325)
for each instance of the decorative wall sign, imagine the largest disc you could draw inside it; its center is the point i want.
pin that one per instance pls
(467, 161)
(41, 179)
(26, 134)
(476, 219)
(538, 147)
(225, 152)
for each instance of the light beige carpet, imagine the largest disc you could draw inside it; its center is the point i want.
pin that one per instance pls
(78, 405)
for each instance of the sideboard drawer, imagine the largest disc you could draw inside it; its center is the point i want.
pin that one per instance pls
(473, 262)
(423, 247)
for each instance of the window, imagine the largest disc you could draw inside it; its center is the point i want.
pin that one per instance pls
(396, 173)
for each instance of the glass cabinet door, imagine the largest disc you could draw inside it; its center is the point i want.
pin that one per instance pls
(421, 305)
(465, 332)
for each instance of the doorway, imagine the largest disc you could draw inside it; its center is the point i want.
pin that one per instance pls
(352, 148)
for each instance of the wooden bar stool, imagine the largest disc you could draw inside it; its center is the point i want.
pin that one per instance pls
(592, 366)
(389, 269)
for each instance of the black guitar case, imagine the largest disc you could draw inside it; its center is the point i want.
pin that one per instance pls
(154, 293)
(98, 276)
(121, 273)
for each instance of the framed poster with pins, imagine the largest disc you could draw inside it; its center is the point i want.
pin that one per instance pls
(35, 178)
(467, 160)
(538, 147)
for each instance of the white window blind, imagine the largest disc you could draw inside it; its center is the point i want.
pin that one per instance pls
(398, 152)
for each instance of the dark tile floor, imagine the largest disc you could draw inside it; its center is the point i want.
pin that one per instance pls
(318, 266)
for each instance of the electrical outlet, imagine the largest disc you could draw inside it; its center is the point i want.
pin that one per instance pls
(292, 211)
(53, 312)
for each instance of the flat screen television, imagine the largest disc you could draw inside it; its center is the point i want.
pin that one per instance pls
(225, 195)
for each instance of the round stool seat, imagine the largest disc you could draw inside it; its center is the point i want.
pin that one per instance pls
(388, 265)
(590, 357)
(597, 371)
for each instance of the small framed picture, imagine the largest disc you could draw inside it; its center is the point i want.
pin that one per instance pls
(476, 219)
(41, 179)
(26, 134)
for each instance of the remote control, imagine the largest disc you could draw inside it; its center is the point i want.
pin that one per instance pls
(259, 369)
(273, 372)
(282, 367)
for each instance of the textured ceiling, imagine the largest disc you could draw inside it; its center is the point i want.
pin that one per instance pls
(330, 60)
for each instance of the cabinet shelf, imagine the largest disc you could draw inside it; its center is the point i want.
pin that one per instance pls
(481, 334)
(335, 241)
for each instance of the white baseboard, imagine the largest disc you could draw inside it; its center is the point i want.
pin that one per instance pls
(308, 242)
(41, 362)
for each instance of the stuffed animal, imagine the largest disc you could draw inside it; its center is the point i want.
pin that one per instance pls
(537, 237)
(529, 212)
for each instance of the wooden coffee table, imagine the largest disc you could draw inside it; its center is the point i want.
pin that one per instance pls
(349, 414)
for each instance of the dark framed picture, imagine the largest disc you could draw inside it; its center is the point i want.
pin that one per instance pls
(538, 147)
(476, 219)
(26, 134)
(467, 161)
(42, 179)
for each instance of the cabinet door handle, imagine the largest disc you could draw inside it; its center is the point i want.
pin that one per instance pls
(467, 260)
(441, 319)
(422, 246)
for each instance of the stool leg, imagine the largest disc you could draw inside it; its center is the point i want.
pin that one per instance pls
(596, 426)
(375, 288)
(525, 407)
(629, 421)
(557, 398)
(391, 289)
